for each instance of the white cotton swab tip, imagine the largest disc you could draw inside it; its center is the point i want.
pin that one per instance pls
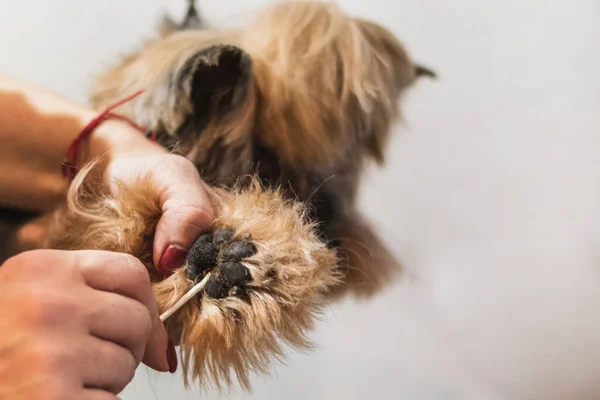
(185, 298)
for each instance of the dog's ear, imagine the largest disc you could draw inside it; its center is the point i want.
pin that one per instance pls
(422, 71)
(387, 46)
(192, 20)
(393, 72)
(216, 80)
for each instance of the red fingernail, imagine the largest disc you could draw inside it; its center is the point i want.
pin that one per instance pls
(173, 258)
(172, 357)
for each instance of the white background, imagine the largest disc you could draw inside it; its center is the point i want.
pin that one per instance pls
(491, 197)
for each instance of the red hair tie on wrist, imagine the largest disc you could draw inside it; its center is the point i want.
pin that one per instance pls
(69, 168)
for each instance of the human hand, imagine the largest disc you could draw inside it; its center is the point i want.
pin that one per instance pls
(76, 325)
(184, 197)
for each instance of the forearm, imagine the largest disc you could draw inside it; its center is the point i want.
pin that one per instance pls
(36, 129)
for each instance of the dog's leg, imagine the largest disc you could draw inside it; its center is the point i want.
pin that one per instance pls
(270, 273)
(368, 266)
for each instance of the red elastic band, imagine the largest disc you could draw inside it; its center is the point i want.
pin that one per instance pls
(69, 168)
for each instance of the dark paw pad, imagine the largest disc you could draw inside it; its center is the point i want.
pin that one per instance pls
(238, 250)
(235, 273)
(217, 287)
(218, 254)
(222, 236)
(203, 255)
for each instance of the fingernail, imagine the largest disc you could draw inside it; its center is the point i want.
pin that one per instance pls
(172, 357)
(172, 258)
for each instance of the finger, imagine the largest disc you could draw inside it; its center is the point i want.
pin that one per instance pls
(125, 275)
(97, 394)
(211, 193)
(121, 320)
(187, 213)
(107, 366)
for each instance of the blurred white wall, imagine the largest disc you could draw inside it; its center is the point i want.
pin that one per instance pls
(491, 197)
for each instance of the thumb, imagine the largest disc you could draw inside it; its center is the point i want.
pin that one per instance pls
(187, 213)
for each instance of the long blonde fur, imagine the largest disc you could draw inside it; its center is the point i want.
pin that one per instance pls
(292, 273)
(318, 90)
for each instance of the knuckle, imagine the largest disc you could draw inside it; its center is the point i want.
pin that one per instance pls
(177, 165)
(145, 322)
(30, 261)
(51, 358)
(131, 366)
(134, 266)
(142, 325)
(198, 217)
(56, 391)
(50, 365)
(134, 271)
(44, 307)
(203, 211)
(52, 265)
(127, 366)
(181, 162)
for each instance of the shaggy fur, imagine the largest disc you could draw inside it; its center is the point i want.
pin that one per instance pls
(292, 271)
(304, 97)
(280, 118)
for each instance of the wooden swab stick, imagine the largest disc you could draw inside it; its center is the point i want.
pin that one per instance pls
(186, 297)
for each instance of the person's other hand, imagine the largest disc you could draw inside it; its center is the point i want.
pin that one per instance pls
(76, 325)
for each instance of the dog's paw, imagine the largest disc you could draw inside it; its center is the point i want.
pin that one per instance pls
(270, 274)
(223, 257)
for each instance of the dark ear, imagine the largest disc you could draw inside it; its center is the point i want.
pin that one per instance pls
(217, 80)
(424, 71)
(192, 20)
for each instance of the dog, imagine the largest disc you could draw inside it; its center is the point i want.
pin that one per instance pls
(281, 118)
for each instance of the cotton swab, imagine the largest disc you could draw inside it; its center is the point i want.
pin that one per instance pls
(187, 297)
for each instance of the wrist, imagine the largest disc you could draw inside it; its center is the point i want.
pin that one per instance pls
(116, 139)
(106, 136)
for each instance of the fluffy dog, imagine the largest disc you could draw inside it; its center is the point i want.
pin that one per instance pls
(280, 117)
